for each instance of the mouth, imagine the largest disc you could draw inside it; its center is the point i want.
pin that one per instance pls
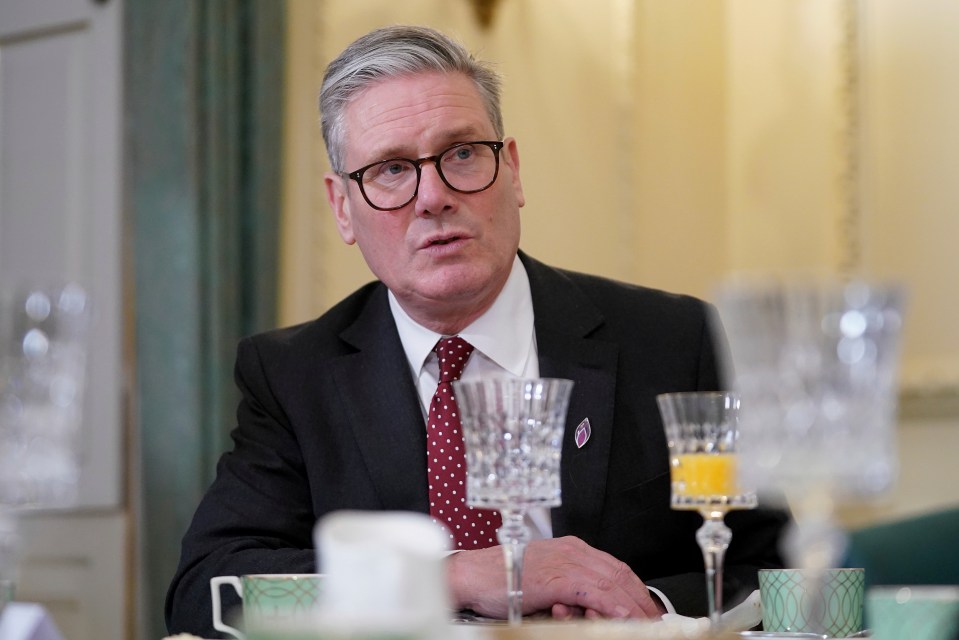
(441, 241)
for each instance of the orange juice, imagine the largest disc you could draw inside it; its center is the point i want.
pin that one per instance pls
(704, 474)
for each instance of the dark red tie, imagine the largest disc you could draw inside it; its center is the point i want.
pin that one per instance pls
(446, 457)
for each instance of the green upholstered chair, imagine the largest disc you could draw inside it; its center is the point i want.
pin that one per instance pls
(917, 550)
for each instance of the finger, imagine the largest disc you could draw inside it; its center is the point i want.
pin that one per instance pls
(624, 577)
(597, 600)
(605, 584)
(566, 612)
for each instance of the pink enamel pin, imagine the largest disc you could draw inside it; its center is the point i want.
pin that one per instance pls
(581, 435)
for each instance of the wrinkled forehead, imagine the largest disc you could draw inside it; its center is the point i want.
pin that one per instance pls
(406, 114)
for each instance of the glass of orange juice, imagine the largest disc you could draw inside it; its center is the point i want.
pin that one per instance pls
(701, 431)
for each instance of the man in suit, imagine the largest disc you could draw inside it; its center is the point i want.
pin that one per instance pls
(335, 412)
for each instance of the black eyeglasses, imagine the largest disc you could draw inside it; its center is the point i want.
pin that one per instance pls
(466, 167)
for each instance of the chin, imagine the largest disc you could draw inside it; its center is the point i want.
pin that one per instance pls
(455, 283)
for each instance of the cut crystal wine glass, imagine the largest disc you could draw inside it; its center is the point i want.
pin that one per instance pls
(815, 362)
(702, 432)
(513, 431)
(43, 348)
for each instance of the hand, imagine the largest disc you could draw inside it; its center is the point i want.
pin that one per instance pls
(565, 577)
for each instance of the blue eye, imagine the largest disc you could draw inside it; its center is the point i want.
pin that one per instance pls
(389, 171)
(465, 153)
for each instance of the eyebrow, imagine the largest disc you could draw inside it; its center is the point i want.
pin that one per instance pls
(465, 134)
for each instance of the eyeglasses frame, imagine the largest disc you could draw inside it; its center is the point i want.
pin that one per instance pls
(495, 145)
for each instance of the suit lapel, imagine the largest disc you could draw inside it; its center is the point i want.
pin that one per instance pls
(565, 319)
(376, 386)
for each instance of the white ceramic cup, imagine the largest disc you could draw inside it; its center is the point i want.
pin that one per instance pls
(788, 607)
(278, 600)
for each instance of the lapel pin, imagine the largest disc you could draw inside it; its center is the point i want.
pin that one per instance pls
(581, 435)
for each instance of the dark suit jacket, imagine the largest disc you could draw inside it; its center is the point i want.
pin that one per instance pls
(330, 420)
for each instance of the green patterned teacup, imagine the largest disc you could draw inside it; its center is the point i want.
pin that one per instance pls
(916, 613)
(787, 606)
(270, 601)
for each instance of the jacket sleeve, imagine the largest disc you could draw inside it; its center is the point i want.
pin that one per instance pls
(256, 517)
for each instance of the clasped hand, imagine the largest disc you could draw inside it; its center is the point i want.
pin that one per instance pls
(564, 577)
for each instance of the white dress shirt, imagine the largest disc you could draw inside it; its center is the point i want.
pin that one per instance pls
(504, 344)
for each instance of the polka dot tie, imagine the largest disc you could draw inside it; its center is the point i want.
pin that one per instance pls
(446, 457)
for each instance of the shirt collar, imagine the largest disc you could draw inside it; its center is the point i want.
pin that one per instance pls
(504, 333)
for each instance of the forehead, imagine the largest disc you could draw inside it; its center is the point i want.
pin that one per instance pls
(411, 114)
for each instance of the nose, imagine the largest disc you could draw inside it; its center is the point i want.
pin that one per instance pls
(433, 197)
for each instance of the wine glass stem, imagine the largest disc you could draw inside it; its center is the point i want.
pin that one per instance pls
(815, 542)
(713, 538)
(514, 536)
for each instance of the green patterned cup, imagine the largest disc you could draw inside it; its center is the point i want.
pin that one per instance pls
(916, 613)
(270, 601)
(787, 606)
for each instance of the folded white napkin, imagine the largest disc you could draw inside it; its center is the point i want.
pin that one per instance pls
(742, 617)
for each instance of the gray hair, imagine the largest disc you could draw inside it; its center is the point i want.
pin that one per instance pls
(391, 52)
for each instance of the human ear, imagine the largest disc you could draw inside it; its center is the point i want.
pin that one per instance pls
(337, 189)
(510, 157)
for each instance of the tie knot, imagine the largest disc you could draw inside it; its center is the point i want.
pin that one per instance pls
(453, 352)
